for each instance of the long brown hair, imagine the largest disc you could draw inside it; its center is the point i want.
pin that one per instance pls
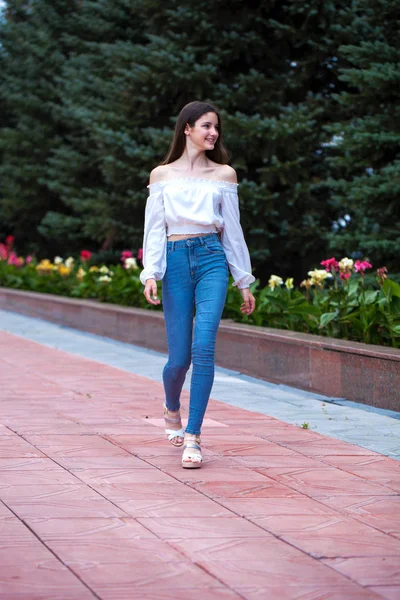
(188, 116)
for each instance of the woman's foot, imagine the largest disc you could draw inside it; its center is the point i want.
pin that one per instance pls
(191, 458)
(173, 426)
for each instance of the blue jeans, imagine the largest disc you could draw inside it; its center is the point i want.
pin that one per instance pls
(196, 277)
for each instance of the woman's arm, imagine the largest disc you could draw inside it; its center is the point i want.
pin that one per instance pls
(154, 239)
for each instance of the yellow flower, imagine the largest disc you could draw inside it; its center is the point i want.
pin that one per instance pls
(93, 269)
(289, 283)
(306, 283)
(45, 265)
(318, 276)
(81, 273)
(274, 280)
(63, 270)
(105, 270)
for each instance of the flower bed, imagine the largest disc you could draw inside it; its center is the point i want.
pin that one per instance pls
(335, 301)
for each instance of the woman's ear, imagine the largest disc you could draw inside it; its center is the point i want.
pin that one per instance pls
(187, 129)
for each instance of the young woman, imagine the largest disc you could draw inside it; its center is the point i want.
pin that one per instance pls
(193, 198)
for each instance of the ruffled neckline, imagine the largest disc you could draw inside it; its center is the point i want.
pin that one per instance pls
(194, 179)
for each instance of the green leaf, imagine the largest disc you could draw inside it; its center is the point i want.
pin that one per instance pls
(392, 286)
(327, 318)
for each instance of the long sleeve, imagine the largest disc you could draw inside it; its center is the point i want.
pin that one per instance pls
(233, 241)
(155, 236)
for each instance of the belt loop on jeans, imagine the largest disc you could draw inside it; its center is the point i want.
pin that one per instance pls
(202, 242)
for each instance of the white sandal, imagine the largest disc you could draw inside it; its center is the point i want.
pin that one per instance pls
(190, 459)
(172, 433)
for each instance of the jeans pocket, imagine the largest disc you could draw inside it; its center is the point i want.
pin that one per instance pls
(214, 247)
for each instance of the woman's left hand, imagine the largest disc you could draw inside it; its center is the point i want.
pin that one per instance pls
(249, 302)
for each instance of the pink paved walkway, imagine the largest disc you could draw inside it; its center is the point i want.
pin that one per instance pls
(96, 505)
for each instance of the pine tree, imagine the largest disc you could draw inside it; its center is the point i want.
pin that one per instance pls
(31, 55)
(123, 72)
(365, 153)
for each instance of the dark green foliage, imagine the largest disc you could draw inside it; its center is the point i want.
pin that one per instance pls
(91, 89)
(365, 163)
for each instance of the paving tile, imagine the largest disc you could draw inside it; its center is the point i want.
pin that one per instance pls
(266, 462)
(322, 481)
(5, 512)
(106, 493)
(124, 479)
(245, 549)
(106, 579)
(260, 507)
(28, 464)
(174, 506)
(369, 571)
(329, 447)
(108, 551)
(75, 445)
(381, 512)
(293, 571)
(44, 580)
(346, 538)
(322, 591)
(251, 449)
(147, 592)
(80, 463)
(13, 478)
(384, 471)
(245, 489)
(387, 592)
(197, 527)
(58, 501)
(145, 491)
(16, 447)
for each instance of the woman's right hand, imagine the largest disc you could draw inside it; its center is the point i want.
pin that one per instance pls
(150, 291)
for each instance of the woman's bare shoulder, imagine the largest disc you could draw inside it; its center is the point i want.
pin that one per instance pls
(159, 174)
(227, 173)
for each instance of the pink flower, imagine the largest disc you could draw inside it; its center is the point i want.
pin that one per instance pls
(14, 260)
(330, 263)
(345, 275)
(85, 255)
(10, 241)
(126, 254)
(361, 266)
(140, 254)
(28, 259)
(3, 252)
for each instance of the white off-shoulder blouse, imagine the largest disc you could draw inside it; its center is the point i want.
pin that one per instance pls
(192, 205)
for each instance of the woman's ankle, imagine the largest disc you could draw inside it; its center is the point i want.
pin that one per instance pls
(192, 436)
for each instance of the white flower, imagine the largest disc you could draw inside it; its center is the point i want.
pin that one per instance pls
(104, 278)
(58, 260)
(104, 269)
(69, 262)
(318, 276)
(130, 263)
(81, 273)
(274, 280)
(346, 264)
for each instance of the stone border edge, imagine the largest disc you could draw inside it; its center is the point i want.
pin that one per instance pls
(359, 372)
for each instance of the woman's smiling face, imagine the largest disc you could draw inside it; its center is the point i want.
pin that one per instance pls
(204, 133)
